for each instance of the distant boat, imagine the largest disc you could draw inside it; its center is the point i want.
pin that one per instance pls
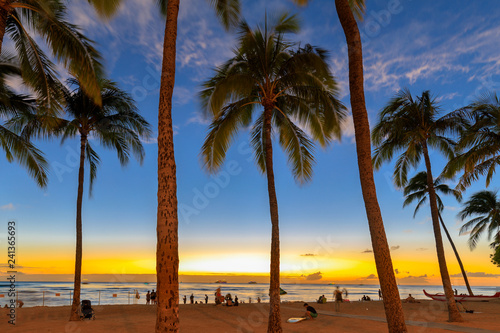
(252, 282)
(464, 298)
(85, 282)
(221, 281)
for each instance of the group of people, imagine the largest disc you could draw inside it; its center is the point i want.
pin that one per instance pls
(191, 299)
(151, 297)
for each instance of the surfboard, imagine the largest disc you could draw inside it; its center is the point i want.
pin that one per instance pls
(296, 319)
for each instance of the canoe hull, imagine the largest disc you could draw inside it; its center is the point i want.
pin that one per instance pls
(464, 298)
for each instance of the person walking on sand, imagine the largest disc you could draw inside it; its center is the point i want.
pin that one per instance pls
(310, 311)
(379, 294)
(206, 299)
(191, 298)
(148, 298)
(337, 296)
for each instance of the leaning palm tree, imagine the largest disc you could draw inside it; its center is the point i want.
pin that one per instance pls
(167, 256)
(348, 11)
(282, 91)
(47, 19)
(115, 124)
(478, 149)
(417, 190)
(412, 126)
(484, 206)
(16, 147)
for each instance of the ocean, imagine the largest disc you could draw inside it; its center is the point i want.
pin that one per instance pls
(59, 293)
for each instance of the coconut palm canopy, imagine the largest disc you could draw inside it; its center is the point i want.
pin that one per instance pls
(294, 84)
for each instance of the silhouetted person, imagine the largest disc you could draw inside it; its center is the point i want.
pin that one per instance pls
(184, 299)
(191, 298)
(206, 299)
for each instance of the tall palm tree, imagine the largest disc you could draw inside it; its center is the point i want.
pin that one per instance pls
(347, 10)
(47, 19)
(412, 126)
(478, 149)
(417, 190)
(282, 91)
(115, 124)
(15, 146)
(484, 206)
(167, 257)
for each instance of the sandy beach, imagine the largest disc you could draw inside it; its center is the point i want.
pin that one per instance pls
(426, 316)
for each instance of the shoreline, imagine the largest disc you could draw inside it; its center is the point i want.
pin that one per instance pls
(353, 317)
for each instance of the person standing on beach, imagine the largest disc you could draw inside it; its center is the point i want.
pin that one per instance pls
(191, 298)
(184, 299)
(379, 294)
(337, 295)
(153, 297)
(206, 299)
(148, 297)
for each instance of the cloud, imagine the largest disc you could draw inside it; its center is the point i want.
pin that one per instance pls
(197, 118)
(314, 276)
(422, 249)
(408, 231)
(414, 279)
(347, 127)
(367, 251)
(396, 271)
(9, 206)
(394, 248)
(371, 277)
(308, 255)
(477, 274)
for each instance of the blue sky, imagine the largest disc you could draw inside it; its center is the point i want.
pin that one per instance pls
(449, 48)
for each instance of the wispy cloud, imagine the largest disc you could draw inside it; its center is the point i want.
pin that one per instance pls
(367, 251)
(394, 248)
(9, 206)
(477, 274)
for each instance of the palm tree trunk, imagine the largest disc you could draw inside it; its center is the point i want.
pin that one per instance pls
(392, 302)
(274, 324)
(75, 306)
(167, 255)
(453, 313)
(457, 255)
(4, 14)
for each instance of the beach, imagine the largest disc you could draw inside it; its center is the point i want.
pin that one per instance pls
(426, 316)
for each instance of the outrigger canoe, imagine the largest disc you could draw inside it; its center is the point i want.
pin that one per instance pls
(464, 298)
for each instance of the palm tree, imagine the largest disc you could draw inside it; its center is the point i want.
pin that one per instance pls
(484, 206)
(47, 19)
(114, 123)
(478, 149)
(17, 147)
(167, 256)
(346, 11)
(417, 190)
(411, 126)
(294, 90)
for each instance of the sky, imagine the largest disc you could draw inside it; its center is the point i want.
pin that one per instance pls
(224, 223)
